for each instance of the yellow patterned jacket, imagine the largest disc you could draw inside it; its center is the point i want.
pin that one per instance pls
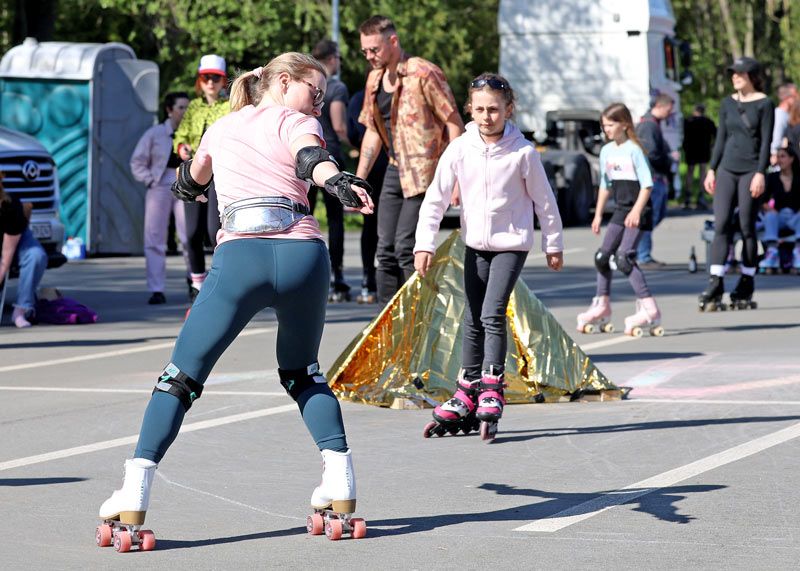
(421, 105)
(198, 118)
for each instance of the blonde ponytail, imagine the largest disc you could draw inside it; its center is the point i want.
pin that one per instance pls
(249, 87)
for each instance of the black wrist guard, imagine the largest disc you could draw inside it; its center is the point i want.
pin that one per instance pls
(185, 187)
(307, 160)
(339, 186)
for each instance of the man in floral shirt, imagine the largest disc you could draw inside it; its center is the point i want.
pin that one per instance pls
(409, 110)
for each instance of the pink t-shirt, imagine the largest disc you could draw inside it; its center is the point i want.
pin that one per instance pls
(251, 157)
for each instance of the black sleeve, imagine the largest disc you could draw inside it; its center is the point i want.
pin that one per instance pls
(355, 130)
(12, 217)
(722, 134)
(767, 122)
(650, 137)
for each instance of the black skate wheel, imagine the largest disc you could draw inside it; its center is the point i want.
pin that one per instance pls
(453, 430)
(488, 430)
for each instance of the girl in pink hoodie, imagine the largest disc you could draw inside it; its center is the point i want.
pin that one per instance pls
(502, 182)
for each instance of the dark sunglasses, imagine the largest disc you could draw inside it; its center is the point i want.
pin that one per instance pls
(319, 95)
(373, 51)
(491, 82)
(211, 77)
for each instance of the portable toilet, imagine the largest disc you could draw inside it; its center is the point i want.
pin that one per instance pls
(88, 104)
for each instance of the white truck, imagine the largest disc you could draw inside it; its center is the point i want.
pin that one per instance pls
(568, 59)
(29, 173)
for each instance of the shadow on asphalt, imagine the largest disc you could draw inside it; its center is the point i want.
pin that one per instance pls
(523, 435)
(660, 503)
(38, 481)
(748, 327)
(167, 544)
(625, 357)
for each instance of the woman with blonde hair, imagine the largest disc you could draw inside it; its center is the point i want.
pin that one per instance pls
(262, 157)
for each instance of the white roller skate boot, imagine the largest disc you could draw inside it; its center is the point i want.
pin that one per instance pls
(334, 500)
(123, 513)
(598, 317)
(647, 316)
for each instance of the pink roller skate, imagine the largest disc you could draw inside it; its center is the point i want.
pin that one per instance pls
(490, 403)
(458, 413)
(598, 317)
(647, 316)
(771, 262)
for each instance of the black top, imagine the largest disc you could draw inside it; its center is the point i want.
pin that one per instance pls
(744, 136)
(12, 217)
(793, 136)
(658, 151)
(698, 136)
(337, 91)
(385, 107)
(355, 130)
(776, 191)
(626, 192)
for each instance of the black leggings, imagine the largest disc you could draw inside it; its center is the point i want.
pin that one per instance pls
(335, 212)
(202, 218)
(489, 279)
(732, 190)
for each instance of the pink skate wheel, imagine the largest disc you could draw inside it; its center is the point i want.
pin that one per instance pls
(359, 527)
(148, 539)
(103, 535)
(333, 529)
(427, 432)
(315, 524)
(122, 541)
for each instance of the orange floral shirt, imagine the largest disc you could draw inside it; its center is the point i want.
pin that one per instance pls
(421, 105)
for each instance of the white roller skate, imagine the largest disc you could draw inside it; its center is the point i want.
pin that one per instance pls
(647, 316)
(334, 500)
(123, 513)
(771, 262)
(598, 317)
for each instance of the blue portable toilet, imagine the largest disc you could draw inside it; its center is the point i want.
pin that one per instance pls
(88, 104)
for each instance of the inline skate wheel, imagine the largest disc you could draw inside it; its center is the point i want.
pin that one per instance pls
(427, 432)
(657, 331)
(333, 529)
(148, 540)
(488, 430)
(103, 535)
(359, 528)
(453, 430)
(122, 541)
(315, 524)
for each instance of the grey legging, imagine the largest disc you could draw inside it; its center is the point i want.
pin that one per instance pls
(489, 279)
(622, 241)
(246, 276)
(733, 190)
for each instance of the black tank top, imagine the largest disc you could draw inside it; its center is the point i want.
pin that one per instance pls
(385, 107)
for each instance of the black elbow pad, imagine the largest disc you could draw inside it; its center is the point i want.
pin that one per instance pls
(185, 187)
(307, 160)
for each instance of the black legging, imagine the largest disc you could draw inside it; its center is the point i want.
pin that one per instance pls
(202, 218)
(733, 190)
(335, 212)
(369, 230)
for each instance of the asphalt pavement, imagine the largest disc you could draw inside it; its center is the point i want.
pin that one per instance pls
(697, 469)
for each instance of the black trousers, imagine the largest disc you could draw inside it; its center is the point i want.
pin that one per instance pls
(397, 224)
(335, 213)
(733, 190)
(369, 229)
(202, 219)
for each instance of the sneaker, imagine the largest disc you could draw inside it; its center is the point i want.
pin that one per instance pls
(19, 317)
(157, 298)
(651, 264)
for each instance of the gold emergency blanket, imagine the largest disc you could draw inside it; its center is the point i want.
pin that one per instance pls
(412, 349)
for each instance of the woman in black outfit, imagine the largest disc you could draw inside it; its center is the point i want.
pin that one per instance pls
(736, 179)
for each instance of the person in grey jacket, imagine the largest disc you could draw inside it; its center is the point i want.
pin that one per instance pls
(660, 157)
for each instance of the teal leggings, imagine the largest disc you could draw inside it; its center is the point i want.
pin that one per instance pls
(248, 275)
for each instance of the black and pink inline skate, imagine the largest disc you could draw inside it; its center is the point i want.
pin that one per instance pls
(457, 414)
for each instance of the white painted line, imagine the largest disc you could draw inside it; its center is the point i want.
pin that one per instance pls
(140, 391)
(607, 342)
(607, 501)
(711, 401)
(117, 353)
(105, 445)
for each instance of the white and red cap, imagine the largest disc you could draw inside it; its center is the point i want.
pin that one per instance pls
(212, 63)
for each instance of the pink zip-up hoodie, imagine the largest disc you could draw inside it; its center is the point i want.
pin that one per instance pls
(501, 186)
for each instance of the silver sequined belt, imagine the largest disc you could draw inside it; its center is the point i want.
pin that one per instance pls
(262, 215)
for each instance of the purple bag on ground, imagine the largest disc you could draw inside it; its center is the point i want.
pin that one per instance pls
(63, 311)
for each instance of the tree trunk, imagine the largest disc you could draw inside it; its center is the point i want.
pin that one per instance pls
(730, 29)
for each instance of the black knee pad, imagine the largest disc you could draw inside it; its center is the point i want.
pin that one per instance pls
(626, 263)
(298, 381)
(602, 261)
(179, 385)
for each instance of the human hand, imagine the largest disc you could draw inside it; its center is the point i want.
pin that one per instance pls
(757, 185)
(632, 219)
(710, 183)
(368, 206)
(422, 262)
(185, 152)
(596, 221)
(555, 261)
(455, 199)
